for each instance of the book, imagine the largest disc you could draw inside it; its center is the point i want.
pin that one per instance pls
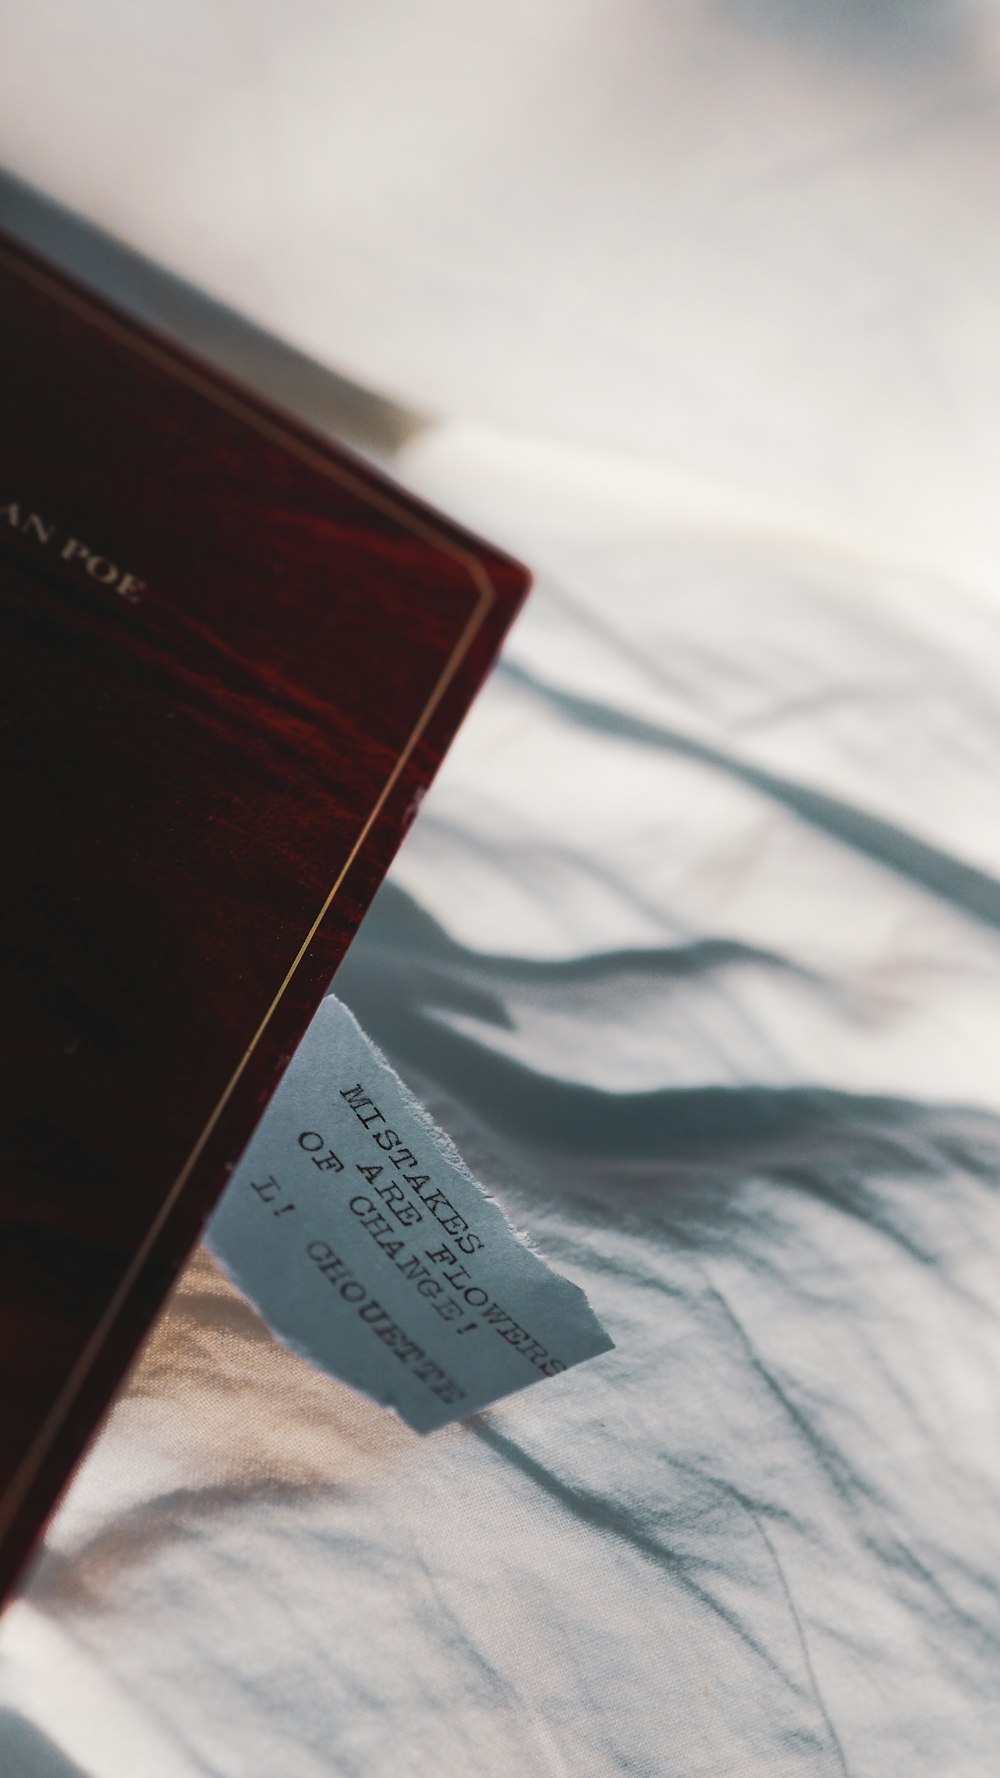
(233, 659)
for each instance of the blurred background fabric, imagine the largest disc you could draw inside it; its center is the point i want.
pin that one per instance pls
(695, 946)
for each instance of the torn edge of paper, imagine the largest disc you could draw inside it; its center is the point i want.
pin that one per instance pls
(355, 1228)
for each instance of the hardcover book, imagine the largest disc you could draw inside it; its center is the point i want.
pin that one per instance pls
(233, 659)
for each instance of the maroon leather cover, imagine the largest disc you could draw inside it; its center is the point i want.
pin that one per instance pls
(233, 658)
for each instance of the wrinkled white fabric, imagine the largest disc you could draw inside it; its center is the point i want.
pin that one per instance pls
(693, 949)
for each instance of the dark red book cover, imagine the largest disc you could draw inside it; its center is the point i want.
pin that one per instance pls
(233, 657)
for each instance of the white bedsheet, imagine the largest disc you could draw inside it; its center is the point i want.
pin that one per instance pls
(693, 948)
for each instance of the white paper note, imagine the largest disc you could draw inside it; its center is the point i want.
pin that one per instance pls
(354, 1226)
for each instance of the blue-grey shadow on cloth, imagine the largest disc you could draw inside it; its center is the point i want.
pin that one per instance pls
(405, 978)
(962, 885)
(891, 33)
(25, 1752)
